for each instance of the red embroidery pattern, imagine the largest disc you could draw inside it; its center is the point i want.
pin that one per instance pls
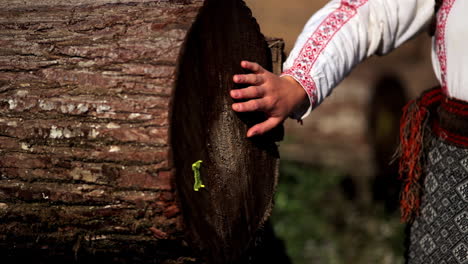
(441, 47)
(318, 42)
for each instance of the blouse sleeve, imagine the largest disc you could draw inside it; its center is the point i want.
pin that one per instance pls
(344, 33)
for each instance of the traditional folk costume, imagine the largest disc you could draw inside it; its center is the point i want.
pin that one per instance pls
(434, 134)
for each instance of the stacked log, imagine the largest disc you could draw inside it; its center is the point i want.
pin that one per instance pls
(104, 107)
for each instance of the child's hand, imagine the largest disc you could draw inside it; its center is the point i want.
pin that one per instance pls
(276, 96)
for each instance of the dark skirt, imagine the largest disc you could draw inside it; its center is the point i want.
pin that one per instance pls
(439, 233)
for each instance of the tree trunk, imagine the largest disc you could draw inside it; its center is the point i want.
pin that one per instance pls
(104, 107)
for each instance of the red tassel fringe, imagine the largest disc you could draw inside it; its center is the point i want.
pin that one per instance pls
(413, 123)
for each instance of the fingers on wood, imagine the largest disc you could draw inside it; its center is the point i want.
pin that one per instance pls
(253, 79)
(249, 106)
(253, 66)
(264, 127)
(248, 93)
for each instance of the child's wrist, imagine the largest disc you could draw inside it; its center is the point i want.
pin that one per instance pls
(295, 87)
(300, 99)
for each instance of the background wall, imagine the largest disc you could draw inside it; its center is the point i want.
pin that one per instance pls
(337, 201)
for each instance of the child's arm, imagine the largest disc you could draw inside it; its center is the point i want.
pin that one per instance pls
(276, 96)
(335, 39)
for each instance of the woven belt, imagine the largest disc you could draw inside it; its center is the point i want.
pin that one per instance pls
(447, 118)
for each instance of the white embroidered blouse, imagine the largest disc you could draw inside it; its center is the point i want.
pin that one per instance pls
(345, 32)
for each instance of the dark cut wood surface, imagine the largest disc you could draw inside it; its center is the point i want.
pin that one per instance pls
(240, 174)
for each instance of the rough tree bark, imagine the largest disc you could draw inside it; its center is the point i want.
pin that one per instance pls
(104, 106)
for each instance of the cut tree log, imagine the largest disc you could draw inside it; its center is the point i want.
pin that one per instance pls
(104, 107)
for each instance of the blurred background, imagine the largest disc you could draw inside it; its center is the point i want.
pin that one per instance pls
(338, 196)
